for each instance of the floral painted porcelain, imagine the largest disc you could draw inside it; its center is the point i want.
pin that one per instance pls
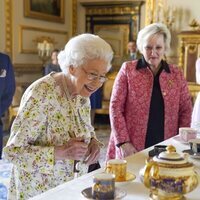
(169, 175)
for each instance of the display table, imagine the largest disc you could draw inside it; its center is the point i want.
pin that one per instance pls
(135, 190)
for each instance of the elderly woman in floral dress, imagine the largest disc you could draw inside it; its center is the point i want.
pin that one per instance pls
(52, 130)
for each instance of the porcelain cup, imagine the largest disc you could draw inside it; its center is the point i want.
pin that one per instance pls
(187, 133)
(103, 186)
(118, 167)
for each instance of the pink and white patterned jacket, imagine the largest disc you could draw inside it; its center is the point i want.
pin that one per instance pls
(130, 103)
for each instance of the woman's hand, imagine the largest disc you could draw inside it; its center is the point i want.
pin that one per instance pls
(74, 149)
(127, 149)
(93, 153)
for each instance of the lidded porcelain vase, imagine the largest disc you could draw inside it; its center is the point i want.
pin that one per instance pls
(169, 175)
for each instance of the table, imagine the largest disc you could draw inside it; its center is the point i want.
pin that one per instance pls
(135, 189)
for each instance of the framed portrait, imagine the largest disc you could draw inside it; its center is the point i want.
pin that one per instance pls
(106, 20)
(29, 36)
(48, 10)
(117, 36)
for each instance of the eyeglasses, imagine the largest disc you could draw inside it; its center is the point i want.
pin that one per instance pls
(93, 77)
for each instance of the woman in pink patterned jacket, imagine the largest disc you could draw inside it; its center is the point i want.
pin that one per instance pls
(150, 98)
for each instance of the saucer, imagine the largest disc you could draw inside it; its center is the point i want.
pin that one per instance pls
(178, 139)
(119, 194)
(129, 177)
(191, 153)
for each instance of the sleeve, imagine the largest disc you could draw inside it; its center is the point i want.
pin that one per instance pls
(7, 97)
(47, 69)
(117, 107)
(24, 149)
(185, 107)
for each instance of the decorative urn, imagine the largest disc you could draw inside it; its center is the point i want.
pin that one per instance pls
(169, 175)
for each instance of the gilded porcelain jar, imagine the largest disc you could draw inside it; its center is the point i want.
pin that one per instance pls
(169, 175)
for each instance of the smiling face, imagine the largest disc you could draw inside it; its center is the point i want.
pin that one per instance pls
(154, 50)
(87, 78)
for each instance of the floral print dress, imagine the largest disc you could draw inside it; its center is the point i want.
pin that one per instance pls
(45, 119)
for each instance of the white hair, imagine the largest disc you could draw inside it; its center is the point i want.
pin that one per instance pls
(82, 48)
(150, 30)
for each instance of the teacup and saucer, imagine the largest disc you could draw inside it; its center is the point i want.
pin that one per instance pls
(103, 188)
(185, 134)
(118, 167)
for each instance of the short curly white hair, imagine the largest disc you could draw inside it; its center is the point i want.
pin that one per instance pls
(150, 30)
(82, 48)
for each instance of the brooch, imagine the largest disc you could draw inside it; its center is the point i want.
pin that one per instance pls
(170, 83)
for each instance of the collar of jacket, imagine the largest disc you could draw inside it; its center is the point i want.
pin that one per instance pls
(143, 64)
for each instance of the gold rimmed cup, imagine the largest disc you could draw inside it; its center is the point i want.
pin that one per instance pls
(118, 167)
(103, 186)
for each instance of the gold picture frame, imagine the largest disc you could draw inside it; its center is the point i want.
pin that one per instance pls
(28, 36)
(106, 20)
(45, 10)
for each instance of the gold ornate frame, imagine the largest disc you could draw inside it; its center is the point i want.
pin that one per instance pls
(189, 51)
(41, 32)
(8, 25)
(74, 17)
(28, 12)
(116, 22)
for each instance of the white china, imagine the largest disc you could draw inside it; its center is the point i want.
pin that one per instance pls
(119, 193)
(129, 178)
(169, 175)
(177, 138)
(192, 154)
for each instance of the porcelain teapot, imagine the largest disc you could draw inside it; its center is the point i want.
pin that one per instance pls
(169, 175)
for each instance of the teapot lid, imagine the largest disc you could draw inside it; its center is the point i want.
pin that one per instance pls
(170, 156)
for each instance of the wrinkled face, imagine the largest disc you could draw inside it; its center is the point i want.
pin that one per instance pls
(131, 47)
(89, 77)
(154, 50)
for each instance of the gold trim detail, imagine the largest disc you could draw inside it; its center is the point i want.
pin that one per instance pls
(194, 90)
(42, 38)
(8, 27)
(34, 51)
(74, 17)
(110, 8)
(43, 16)
(149, 8)
(189, 44)
(192, 48)
(21, 68)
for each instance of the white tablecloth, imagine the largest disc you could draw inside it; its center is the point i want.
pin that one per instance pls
(135, 190)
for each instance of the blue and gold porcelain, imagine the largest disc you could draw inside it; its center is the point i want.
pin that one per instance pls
(169, 175)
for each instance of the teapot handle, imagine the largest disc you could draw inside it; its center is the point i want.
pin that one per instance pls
(150, 166)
